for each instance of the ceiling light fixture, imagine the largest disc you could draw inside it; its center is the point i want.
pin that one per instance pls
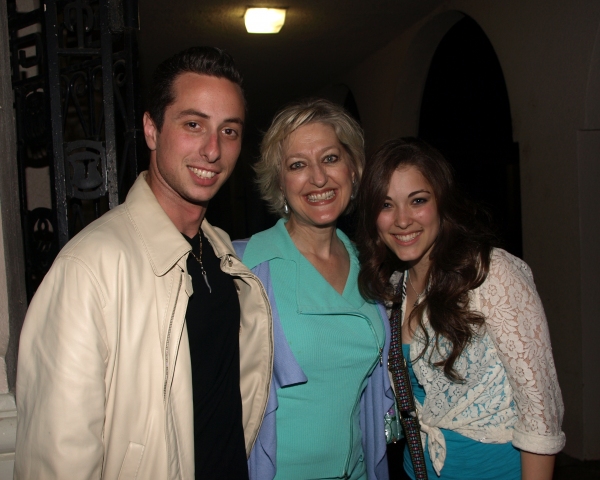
(264, 20)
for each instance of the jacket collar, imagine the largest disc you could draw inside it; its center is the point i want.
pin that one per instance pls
(218, 239)
(276, 243)
(162, 242)
(269, 244)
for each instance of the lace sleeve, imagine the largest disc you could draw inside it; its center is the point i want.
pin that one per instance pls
(516, 322)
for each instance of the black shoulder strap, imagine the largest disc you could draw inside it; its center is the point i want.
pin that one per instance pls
(404, 396)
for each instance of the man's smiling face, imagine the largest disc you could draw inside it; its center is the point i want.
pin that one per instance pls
(196, 149)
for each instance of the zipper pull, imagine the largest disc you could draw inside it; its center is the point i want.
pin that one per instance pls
(229, 260)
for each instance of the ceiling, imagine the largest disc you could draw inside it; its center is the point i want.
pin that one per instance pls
(320, 41)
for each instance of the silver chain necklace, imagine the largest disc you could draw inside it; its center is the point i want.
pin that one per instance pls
(419, 295)
(199, 260)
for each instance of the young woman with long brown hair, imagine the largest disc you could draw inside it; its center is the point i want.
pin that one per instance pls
(472, 326)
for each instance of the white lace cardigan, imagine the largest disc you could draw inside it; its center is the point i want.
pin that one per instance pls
(510, 392)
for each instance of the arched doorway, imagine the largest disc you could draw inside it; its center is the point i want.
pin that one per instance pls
(465, 113)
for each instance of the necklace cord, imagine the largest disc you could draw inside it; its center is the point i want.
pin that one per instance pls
(419, 295)
(199, 260)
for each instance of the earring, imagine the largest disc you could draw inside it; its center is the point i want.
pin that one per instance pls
(353, 195)
(286, 209)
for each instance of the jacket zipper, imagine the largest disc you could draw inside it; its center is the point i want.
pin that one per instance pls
(169, 338)
(380, 358)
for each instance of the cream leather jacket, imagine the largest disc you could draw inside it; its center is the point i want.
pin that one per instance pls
(104, 375)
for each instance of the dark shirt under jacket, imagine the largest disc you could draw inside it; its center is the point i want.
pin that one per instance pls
(213, 325)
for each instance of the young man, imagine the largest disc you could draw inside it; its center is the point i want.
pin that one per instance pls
(146, 299)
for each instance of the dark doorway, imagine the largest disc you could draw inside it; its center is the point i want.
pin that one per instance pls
(465, 113)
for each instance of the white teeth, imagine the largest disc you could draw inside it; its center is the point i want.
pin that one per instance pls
(202, 173)
(407, 238)
(319, 197)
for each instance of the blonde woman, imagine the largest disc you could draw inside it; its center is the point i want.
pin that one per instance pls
(325, 417)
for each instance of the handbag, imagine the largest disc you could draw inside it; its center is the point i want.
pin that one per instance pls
(403, 392)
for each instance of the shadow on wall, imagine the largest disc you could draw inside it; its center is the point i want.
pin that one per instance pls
(465, 113)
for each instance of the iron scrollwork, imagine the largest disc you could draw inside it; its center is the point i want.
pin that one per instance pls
(78, 18)
(87, 176)
(74, 71)
(42, 250)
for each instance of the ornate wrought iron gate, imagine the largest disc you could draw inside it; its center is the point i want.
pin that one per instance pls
(77, 106)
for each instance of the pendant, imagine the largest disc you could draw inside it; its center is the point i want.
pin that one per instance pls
(418, 300)
(205, 277)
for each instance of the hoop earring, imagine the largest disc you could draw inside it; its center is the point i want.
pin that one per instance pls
(286, 209)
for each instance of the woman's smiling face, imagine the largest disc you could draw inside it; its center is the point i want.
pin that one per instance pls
(316, 175)
(408, 222)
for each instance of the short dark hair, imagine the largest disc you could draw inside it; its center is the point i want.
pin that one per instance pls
(210, 61)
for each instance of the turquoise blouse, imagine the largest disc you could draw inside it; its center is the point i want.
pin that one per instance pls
(336, 339)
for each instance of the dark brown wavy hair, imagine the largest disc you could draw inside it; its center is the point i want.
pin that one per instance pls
(460, 256)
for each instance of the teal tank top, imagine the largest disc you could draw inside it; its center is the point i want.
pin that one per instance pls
(466, 459)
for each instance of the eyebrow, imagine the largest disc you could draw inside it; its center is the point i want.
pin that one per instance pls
(412, 194)
(197, 113)
(320, 152)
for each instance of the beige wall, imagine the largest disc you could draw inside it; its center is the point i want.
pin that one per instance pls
(551, 61)
(12, 265)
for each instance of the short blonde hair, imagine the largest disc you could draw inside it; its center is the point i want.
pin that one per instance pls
(288, 120)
